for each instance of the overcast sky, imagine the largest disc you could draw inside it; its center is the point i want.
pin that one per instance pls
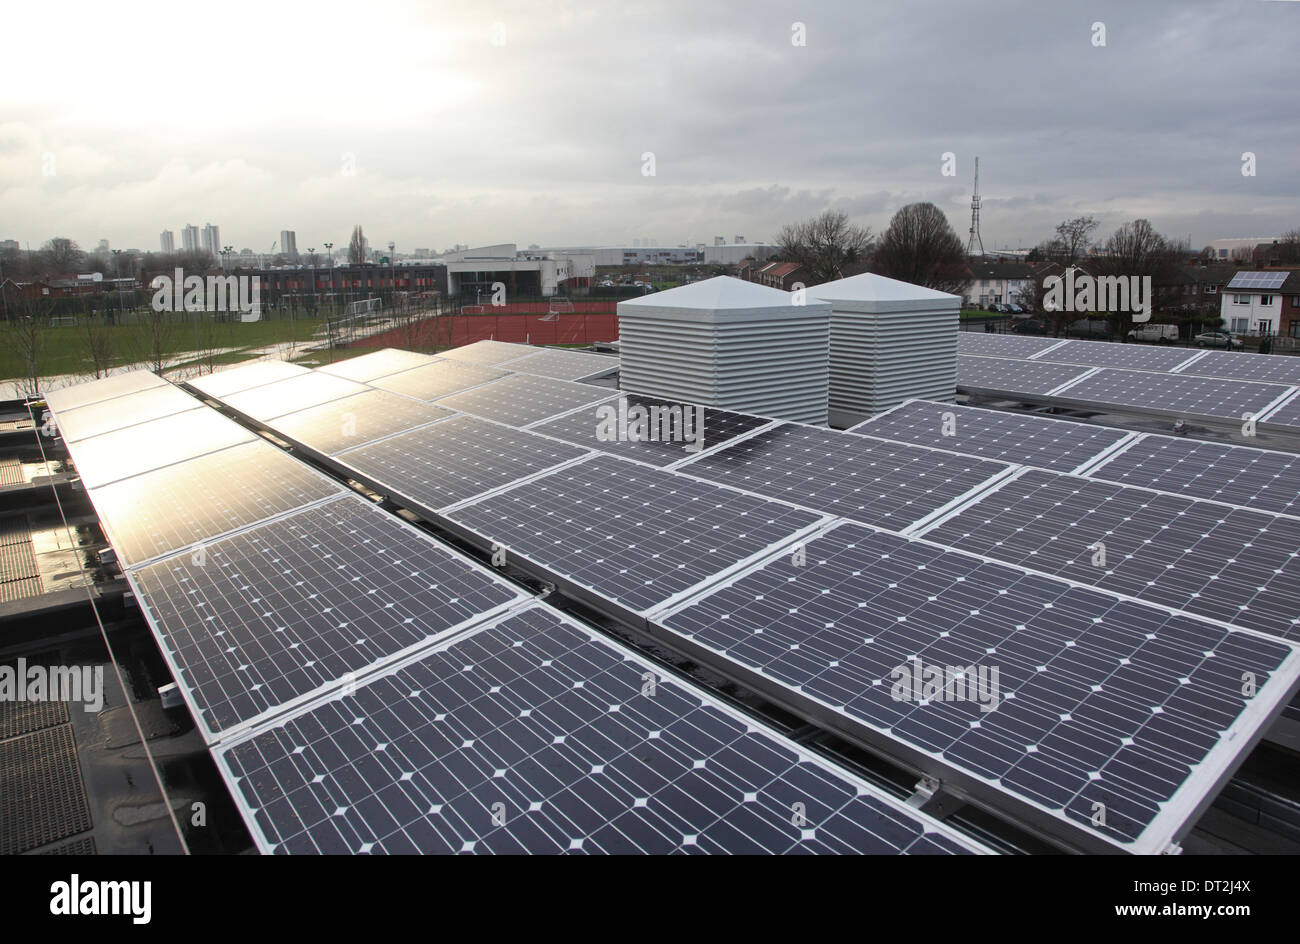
(526, 122)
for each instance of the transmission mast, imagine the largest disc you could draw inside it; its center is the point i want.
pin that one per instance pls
(975, 239)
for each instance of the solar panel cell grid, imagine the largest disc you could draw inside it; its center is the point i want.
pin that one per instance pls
(246, 376)
(1003, 345)
(1239, 365)
(631, 534)
(487, 353)
(377, 364)
(255, 620)
(120, 412)
(341, 424)
(436, 380)
(1095, 700)
(1108, 354)
(1175, 393)
(1018, 376)
(881, 483)
(532, 736)
(992, 434)
(288, 396)
(564, 365)
(519, 400)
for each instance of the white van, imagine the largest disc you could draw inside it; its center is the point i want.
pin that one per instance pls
(1161, 333)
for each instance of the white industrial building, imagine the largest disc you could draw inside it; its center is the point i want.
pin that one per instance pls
(474, 272)
(731, 344)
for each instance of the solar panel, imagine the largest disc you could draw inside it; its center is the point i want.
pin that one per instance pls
(1257, 280)
(454, 460)
(992, 434)
(341, 424)
(487, 353)
(127, 410)
(628, 533)
(367, 367)
(1240, 475)
(519, 400)
(1001, 345)
(1002, 375)
(152, 445)
(288, 396)
(1208, 559)
(1095, 700)
(1288, 414)
(564, 365)
(245, 377)
(1109, 354)
(1175, 393)
(436, 380)
(171, 508)
(116, 385)
(1239, 365)
(625, 426)
(271, 615)
(889, 484)
(534, 735)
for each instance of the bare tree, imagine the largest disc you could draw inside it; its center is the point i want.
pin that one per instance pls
(357, 247)
(96, 343)
(921, 247)
(824, 245)
(1287, 251)
(24, 335)
(62, 254)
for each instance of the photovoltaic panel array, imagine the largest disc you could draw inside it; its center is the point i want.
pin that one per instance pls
(1238, 365)
(1004, 375)
(245, 377)
(534, 735)
(628, 533)
(180, 505)
(1175, 393)
(1288, 414)
(351, 421)
(882, 483)
(120, 412)
(518, 400)
(1240, 475)
(1094, 701)
(993, 434)
(272, 615)
(487, 353)
(1257, 280)
(1107, 354)
(289, 396)
(1209, 559)
(1001, 345)
(454, 460)
(368, 367)
(115, 385)
(648, 429)
(563, 365)
(437, 380)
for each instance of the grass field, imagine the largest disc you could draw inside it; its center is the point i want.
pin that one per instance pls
(65, 350)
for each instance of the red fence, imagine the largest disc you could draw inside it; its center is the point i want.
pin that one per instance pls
(580, 327)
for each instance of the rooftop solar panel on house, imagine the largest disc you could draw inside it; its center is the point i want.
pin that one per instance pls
(518, 400)
(992, 434)
(454, 460)
(1095, 701)
(245, 377)
(1240, 475)
(436, 380)
(535, 735)
(153, 445)
(196, 500)
(105, 388)
(288, 396)
(1109, 354)
(1003, 375)
(1176, 394)
(564, 365)
(889, 484)
(487, 353)
(126, 410)
(1208, 559)
(648, 429)
(351, 421)
(264, 618)
(367, 367)
(1257, 280)
(627, 533)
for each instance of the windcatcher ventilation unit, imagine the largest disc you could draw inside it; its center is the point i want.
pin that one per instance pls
(890, 341)
(730, 344)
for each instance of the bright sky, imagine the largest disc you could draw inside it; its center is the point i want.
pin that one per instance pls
(526, 122)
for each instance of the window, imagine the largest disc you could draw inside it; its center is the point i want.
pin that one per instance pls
(1241, 299)
(1240, 325)
(1266, 300)
(1211, 290)
(1295, 329)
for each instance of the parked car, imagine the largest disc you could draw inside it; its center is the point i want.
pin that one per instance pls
(1016, 309)
(1218, 339)
(1158, 333)
(1032, 326)
(1094, 328)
